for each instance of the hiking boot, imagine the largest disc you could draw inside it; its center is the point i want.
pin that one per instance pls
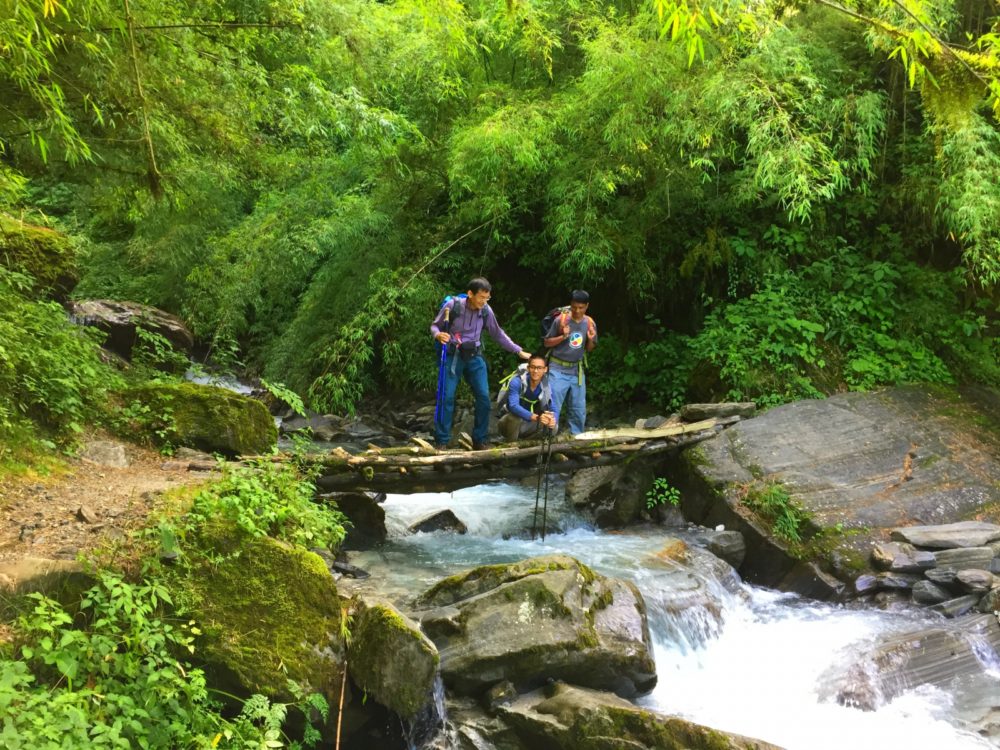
(440, 446)
(480, 446)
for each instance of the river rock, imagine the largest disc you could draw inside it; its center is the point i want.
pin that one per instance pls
(949, 536)
(946, 577)
(975, 581)
(727, 545)
(861, 463)
(878, 673)
(542, 618)
(928, 592)
(392, 660)
(442, 520)
(566, 717)
(120, 319)
(958, 606)
(990, 602)
(613, 496)
(902, 558)
(367, 517)
(961, 559)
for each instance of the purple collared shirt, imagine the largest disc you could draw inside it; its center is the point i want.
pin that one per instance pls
(470, 324)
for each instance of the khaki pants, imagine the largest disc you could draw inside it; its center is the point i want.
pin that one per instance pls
(511, 428)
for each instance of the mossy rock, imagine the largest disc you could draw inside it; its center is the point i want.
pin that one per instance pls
(44, 254)
(391, 660)
(269, 614)
(204, 417)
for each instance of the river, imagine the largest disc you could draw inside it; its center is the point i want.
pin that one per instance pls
(754, 661)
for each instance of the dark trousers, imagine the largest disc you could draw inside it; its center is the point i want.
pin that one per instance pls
(475, 374)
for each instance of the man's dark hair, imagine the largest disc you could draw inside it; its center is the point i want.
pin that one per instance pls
(579, 295)
(538, 356)
(479, 284)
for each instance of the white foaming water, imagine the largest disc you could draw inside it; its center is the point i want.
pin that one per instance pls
(728, 655)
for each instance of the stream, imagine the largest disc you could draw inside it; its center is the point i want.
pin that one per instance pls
(728, 655)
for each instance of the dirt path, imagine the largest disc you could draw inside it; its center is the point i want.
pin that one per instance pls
(76, 510)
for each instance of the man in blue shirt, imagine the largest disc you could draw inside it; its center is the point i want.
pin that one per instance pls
(528, 402)
(466, 320)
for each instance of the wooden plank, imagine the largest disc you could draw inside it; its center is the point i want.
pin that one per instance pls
(641, 434)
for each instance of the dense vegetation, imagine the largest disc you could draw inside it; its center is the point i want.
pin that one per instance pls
(767, 200)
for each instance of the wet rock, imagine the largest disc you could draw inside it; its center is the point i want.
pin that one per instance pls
(946, 577)
(565, 717)
(957, 607)
(990, 602)
(543, 618)
(500, 694)
(391, 660)
(928, 592)
(936, 656)
(367, 518)
(443, 520)
(978, 558)
(949, 536)
(728, 545)
(866, 584)
(896, 581)
(613, 496)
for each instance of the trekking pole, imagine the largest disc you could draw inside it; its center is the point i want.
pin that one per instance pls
(538, 486)
(442, 379)
(548, 459)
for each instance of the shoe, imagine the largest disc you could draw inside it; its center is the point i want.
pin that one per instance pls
(480, 446)
(440, 446)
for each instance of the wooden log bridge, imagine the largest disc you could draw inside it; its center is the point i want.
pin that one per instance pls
(420, 468)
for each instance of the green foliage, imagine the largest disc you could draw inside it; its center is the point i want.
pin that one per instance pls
(50, 371)
(116, 676)
(153, 354)
(268, 499)
(662, 493)
(773, 504)
(281, 392)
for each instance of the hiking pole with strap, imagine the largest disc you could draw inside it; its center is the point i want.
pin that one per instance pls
(538, 486)
(548, 459)
(442, 379)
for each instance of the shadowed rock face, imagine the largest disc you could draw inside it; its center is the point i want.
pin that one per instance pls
(540, 619)
(864, 463)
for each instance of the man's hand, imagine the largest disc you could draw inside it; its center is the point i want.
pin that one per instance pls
(522, 354)
(443, 337)
(565, 330)
(591, 329)
(548, 419)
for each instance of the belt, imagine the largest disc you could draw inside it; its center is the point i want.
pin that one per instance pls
(564, 363)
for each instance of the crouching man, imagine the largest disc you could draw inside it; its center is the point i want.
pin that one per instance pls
(528, 402)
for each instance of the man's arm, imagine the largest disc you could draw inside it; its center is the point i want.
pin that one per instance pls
(555, 334)
(591, 334)
(499, 335)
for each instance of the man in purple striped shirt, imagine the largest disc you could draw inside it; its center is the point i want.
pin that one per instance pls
(459, 326)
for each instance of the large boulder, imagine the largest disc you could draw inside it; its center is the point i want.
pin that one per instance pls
(366, 516)
(120, 320)
(564, 717)
(538, 619)
(391, 660)
(45, 255)
(202, 416)
(268, 615)
(857, 465)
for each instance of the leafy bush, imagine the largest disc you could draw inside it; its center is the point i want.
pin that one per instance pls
(269, 499)
(113, 677)
(661, 493)
(50, 370)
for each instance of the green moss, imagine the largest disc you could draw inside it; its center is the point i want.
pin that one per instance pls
(44, 254)
(645, 728)
(205, 417)
(269, 613)
(392, 661)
